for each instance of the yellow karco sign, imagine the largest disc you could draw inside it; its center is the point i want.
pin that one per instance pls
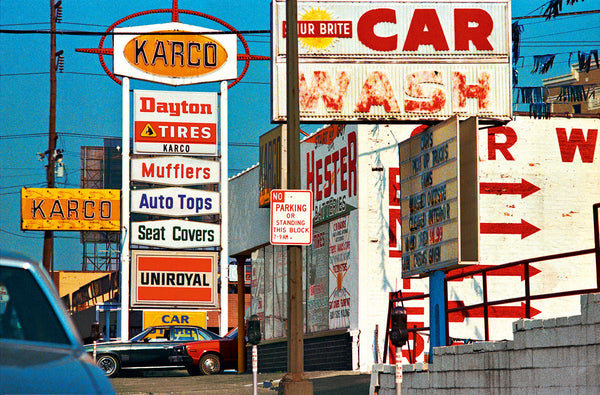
(70, 209)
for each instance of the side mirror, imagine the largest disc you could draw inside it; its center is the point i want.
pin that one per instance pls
(146, 339)
(254, 335)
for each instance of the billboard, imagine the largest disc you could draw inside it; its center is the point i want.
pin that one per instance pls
(174, 53)
(386, 61)
(174, 278)
(70, 209)
(175, 234)
(273, 163)
(439, 200)
(183, 123)
(175, 202)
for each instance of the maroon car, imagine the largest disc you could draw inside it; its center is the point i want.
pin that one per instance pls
(209, 356)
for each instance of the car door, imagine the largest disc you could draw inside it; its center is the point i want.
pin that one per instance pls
(152, 350)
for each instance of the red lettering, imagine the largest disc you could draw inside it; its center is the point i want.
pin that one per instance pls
(310, 171)
(343, 168)
(464, 31)
(147, 170)
(323, 87)
(327, 189)
(352, 179)
(377, 91)
(493, 145)
(319, 194)
(395, 218)
(414, 88)
(461, 91)
(394, 189)
(425, 29)
(366, 33)
(568, 145)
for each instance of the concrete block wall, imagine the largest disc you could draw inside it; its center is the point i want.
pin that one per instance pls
(549, 356)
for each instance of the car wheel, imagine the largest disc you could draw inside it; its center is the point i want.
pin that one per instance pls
(193, 370)
(210, 364)
(109, 364)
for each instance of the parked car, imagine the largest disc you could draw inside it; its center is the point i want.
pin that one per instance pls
(40, 350)
(150, 349)
(210, 356)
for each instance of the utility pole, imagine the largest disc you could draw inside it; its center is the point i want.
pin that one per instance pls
(295, 381)
(48, 255)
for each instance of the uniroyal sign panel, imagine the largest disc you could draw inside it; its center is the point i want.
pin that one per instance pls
(175, 123)
(174, 278)
(397, 60)
(175, 202)
(174, 170)
(174, 53)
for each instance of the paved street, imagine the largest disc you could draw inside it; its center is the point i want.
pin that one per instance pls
(179, 382)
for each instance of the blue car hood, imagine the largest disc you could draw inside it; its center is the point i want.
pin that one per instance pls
(40, 369)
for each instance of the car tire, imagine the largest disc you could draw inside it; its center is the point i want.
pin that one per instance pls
(193, 370)
(109, 364)
(210, 364)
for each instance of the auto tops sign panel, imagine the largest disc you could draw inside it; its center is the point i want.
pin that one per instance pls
(174, 53)
(175, 234)
(183, 123)
(175, 170)
(174, 278)
(70, 209)
(175, 202)
(383, 61)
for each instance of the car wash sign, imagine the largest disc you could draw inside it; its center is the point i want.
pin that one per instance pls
(174, 278)
(174, 53)
(183, 123)
(382, 60)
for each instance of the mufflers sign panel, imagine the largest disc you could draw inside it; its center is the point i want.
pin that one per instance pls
(174, 53)
(175, 202)
(175, 234)
(174, 278)
(182, 123)
(70, 209)
(175, 170)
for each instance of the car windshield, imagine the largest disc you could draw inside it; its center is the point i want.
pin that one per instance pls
(25, 312)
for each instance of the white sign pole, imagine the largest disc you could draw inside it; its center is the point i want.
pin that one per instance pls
(125, 236)
(224, 214)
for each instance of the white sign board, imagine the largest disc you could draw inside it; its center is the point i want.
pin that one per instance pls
(175, 170)
(175, 234)
(396, 60)
(183, 123)
(291, 217)
(164, 53)
(175, 202)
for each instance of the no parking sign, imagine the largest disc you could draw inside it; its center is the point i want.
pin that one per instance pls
(291, 217)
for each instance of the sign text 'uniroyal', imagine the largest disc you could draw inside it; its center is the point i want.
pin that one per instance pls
(185, 278)
(399, 60)
(174, 170)
(70, 209)
(174, 53)
(175, 122)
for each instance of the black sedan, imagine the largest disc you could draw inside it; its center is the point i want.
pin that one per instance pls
(151, 349)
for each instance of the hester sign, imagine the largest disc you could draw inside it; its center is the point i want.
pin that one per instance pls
(291, 217)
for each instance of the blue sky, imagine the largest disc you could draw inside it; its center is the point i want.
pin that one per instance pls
(89, 103)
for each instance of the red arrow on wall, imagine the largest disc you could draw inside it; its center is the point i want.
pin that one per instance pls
(493, 311)
(523, 188)
(506, 271)
(524, 228)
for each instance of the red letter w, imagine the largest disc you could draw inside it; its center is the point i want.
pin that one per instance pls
(568, 146)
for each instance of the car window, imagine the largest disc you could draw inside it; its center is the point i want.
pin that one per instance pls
(25, 312)
(205, 334)
(185, 334)
(157, 335)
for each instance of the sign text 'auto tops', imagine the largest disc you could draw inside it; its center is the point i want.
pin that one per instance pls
(175, 202)
(187, 278)
(70, 209)
(175, 54)
(182, 123)
(175, 170)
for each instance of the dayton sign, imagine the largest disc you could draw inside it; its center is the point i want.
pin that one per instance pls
(175, 123)
(382, 61)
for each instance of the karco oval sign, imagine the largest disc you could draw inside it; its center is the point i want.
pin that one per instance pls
(175, 54)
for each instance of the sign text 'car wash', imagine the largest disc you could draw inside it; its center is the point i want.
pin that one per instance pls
(183, 123)
(291, 217)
